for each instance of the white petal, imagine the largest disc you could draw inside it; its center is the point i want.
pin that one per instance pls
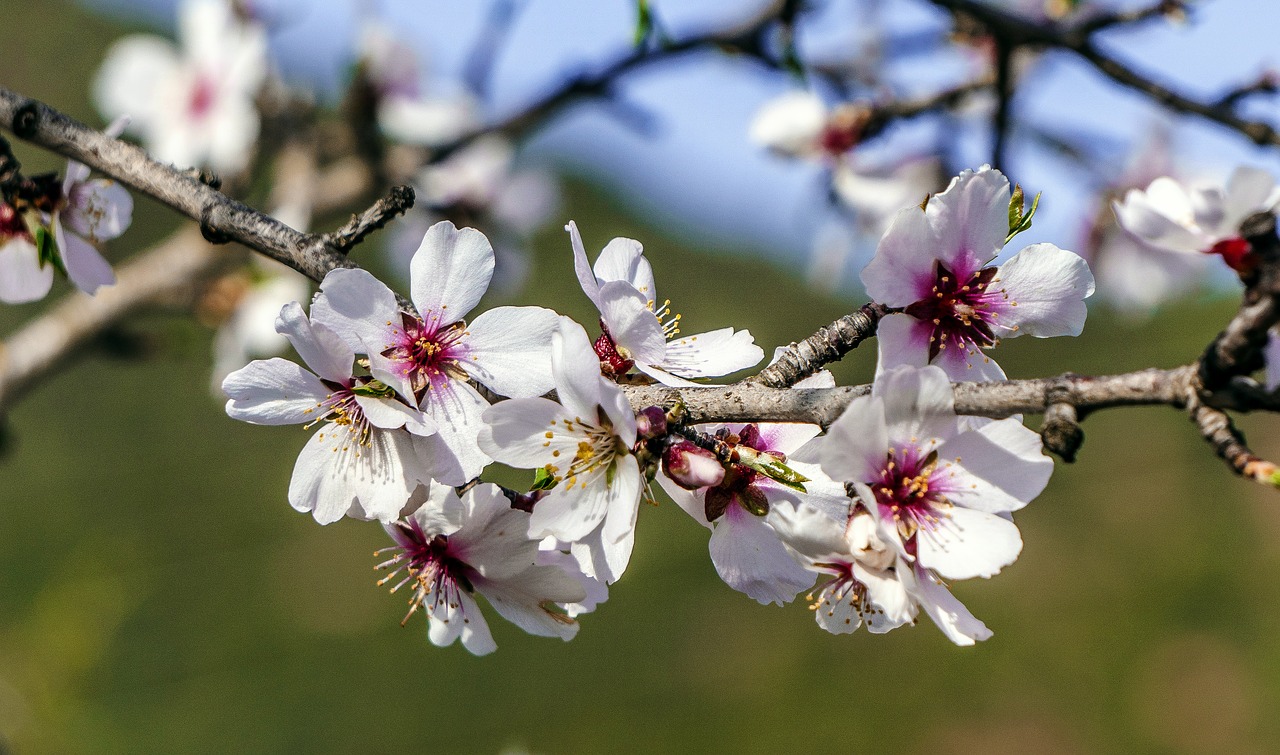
(450, 272)
(327, 354)
(601, 560)
(582, 268)
(450, 620)
(955, 621)
(918, 404)
(633, 326)
(973, 366)
(427, 122)
(1162, 216)
(456, 409)
(751, 559)
(901, 340)
(509, 350)
(786, 437)
(1249, 190)
(515, 433)
(623, 260)
(624, 501)
(576, 370)
(571, 513)
(85, 266)
(133, 70)
(790, 123)
(364, 313)
(441, 514)
(273, 392)
(972, 219)
(718, 352)
(493, 539)
(965, 543)
(892, 605)
(389, 414)
(1049, 286)
(597, 592)
(520, 600)
(335, 475)
(22, 277)
(1001, 466)
(903, 268)
(809, 532)
(857, 443)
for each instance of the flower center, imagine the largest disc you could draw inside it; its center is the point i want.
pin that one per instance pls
(842, 587)
(912, 490)
(670, 323)
(614, 361)
(202, 95)
(739, 484)
(599, 449)
(426, 352)
(437, 574)
(11, 224)
(961, 311)
(341, 408)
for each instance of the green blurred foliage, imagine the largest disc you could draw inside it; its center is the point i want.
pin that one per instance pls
(157, 594)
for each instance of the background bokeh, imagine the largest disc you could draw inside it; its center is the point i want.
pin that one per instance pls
(157, 594)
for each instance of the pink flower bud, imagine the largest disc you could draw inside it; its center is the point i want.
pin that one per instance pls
(651, 422)
(691, 467)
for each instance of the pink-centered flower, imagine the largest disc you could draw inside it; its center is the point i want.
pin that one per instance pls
(192, 105)
(946, 484)
(738, 510)
(368, 455)
(864, 580)
(450, 550)
(640, 331)
(584, 443)
(1199, 219)
(432, 355)
(24, 277)
(932, 263)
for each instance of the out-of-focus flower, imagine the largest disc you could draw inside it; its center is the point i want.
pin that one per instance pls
(1199, 218)
(583, 444)
(366, 460)
(193, 104)
(638, 331)
(932, 263)
(944, 484)
(452, 549)
(405, 112)
(89, 212)
(248, 332)
(24, 277)
(431, 356)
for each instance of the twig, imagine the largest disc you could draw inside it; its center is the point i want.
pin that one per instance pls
(397, 201)
(800, 360)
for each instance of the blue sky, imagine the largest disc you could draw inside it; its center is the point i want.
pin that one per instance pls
(697, 172)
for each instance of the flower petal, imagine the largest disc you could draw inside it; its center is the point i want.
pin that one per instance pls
(509, 350)
(1000, 466)
(327, 354)
(456, 409)
(711, 354)
(857, 443)
(1046, 287)
(632, 325)
(450, 272)
(85, 266)
(955, 621)
(623, 260)
(336, 475)
(582, 267)
(576, 370)
(273, 392)
(751, 559)
(22, 277)
(901, 340)
(964, 543)
(527, 433)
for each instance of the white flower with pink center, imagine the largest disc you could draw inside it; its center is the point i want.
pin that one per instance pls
(431, 355)
(194, 105)
(738, 510)
(584, 443)
(931, 267)
(367, 457)
(864, 581)
(1199, 219)
(452, 549)
(640, 331)
(947, 485)
(24, 276)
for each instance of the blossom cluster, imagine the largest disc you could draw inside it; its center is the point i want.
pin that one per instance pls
(409, 405)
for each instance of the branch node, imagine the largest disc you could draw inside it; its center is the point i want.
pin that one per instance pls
(209, 228)
(27, 120)
(204, 176)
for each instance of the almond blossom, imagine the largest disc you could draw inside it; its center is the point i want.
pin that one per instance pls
(947, 485)
(249, 331)
(367, 457)
(1200, 219)
(867, 582)
(193, 104)
(932, 264)
(431, 355)
(738, 509)
(584, 445)
(639, 331)
(24, 276)
(452, 549)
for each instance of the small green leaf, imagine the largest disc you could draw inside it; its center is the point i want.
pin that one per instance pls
(47, 250)
(1016, 203)
(644, 22)
(1024, 220)
(543, 479)
(772, 467)
(374, 389)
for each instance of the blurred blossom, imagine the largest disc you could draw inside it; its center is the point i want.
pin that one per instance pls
(249, 331)
(24, 277)
(405, 112)
(191, 105)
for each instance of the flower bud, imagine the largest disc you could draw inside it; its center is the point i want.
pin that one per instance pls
(691, 467)
(651, 422)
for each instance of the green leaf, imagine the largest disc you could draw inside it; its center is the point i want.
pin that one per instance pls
(374, 389)
(1016, 203)
(543, 479)
(1023, 221)
(644, 22)
(772, 467)
(47, 250)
